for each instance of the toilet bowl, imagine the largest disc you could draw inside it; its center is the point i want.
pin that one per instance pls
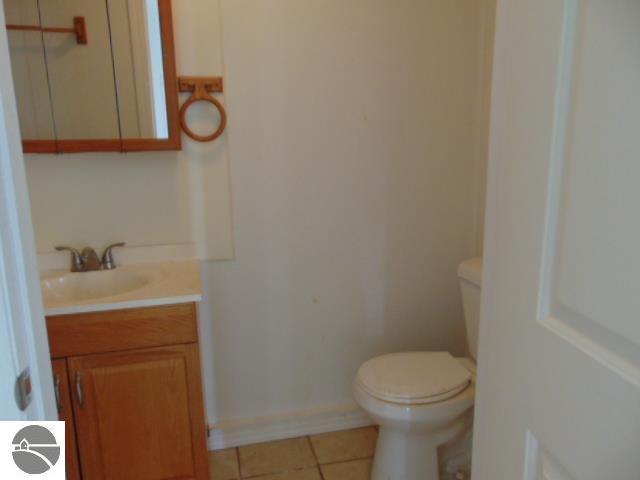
(419, 399)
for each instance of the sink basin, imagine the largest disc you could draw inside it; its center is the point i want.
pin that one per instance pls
(137, 285)
(92, 285)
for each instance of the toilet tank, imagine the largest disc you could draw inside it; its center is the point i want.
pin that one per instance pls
(470, 277)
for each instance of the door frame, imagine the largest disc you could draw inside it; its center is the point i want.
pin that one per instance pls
(23, 334)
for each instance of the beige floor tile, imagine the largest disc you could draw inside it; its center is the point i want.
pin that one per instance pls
(307, 474)
(223, 465)
(354, 470)
(276, 457)
(346, 445)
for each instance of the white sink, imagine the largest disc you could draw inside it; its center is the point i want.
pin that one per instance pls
(75, 287)
(128, 286)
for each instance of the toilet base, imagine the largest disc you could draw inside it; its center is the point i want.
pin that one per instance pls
(410, 455)
(405, 456)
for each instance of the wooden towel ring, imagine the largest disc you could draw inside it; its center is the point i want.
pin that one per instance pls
(200, 88)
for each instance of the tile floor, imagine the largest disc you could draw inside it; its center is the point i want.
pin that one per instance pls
(344, 455)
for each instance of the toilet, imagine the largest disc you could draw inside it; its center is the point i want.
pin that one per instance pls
(420, 399)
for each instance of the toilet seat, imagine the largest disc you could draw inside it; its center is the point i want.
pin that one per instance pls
(413, 378)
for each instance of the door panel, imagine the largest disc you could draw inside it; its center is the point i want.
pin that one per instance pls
(559, 356)
(548, 468)
(139, 414)
(592, 280)
(65, 414)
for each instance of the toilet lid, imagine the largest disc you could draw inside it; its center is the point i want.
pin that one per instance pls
(413, 377)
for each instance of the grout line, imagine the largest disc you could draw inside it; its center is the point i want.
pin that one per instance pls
(315, 457)
(290, 470)
(313, 450)
(356, 459)
(237, 449)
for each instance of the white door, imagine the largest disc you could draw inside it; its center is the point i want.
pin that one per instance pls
(559, 365)
(23, 338)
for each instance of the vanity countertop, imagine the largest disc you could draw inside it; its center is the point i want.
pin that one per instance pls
(127, 286)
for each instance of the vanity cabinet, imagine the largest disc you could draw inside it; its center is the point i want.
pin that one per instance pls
(134, 387)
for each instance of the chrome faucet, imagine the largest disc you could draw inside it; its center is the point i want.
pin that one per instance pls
(87, 260)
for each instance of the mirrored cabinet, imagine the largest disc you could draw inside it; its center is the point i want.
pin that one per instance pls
(94, 75)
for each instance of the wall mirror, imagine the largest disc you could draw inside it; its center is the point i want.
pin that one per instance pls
(94, 75)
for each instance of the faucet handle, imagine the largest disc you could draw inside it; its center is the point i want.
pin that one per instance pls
(77, 263)
(107, 257)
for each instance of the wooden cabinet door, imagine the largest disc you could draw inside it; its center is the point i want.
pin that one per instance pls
(140, 415)
(65, 414)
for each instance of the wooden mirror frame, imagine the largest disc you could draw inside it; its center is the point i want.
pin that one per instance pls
(173, 142)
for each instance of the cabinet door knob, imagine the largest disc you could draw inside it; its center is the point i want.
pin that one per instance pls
(79, 389)
(56, 389)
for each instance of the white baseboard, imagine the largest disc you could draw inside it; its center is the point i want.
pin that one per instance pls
(264, 429)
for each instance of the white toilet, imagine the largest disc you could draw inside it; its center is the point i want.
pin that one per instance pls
(419, 399)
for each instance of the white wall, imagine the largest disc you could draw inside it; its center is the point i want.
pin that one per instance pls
(355, 136)
(355, 139)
